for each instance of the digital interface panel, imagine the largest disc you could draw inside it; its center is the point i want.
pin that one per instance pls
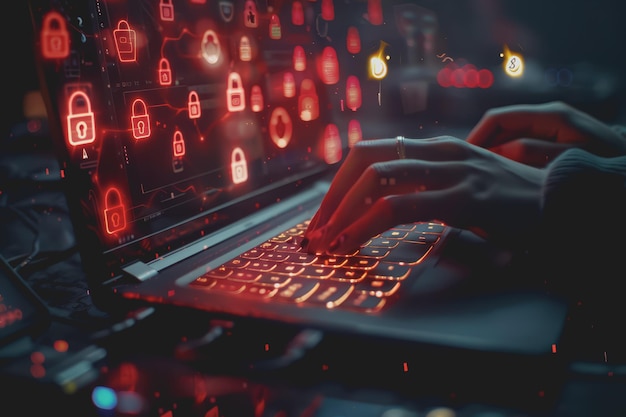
(175, 108)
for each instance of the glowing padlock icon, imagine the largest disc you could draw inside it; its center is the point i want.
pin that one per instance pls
(353, 93)
(328, 66)
(275, 29)
(166, 9)
(55, 39)
(256, 99)
(281, 127)
(193, 105)
(125, 42)
(178, 144)
(299, 58)
(238, 166)
(308, 102)
(140, 120)
(355, 134)
(250, 14)
(245, 50)
(353, 40)
(375, 12)
(114, 212)
(289, 85)
(235, 95)
(165, 72)
(210, 47)
(297, 13)
(332, 144)
(227, 10)
(328, 10)
(80, 119)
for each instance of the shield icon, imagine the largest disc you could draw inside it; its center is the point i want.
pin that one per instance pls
(226, 10)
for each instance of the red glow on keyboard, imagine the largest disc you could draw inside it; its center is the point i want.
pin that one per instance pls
(405, 367)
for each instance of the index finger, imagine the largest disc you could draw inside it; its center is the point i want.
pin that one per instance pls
(361, 156)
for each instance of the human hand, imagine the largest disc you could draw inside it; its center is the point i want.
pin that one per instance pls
(442, 179)
(536, 133)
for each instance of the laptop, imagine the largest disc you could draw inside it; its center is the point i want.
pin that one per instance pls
(198, 137)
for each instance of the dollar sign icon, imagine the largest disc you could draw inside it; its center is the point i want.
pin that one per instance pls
(512, 63)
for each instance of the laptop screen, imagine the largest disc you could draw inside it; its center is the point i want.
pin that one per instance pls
(177, 118)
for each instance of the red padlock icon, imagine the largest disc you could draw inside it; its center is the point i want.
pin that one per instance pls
(55, 39)
(250, 14)
(353, 93)
(114, 212)
(328, 10)
(297, 13)
(210, 47)
(238, 166)
(165, 72)
(332, 144)
(193, 105)
(245, 49)
(355, 134)
(275, 29)
(140, 120)
(235, 95)
(308, 102)
(299, 58)
(328, 66)
(281, 128)
(256, 99)
(289, 85)
(375, 12)
(125, 42)
(166, 9)
(80, 119)
(178, 144)
(353, 40)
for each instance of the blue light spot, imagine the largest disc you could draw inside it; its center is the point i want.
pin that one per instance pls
(104, 398)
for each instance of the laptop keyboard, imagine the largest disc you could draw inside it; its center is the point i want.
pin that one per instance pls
(280, 269)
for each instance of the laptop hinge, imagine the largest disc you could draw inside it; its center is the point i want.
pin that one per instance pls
(140, 271)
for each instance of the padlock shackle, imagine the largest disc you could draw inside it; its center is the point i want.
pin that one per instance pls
(144, 109)
(53, 16)
(74, 97)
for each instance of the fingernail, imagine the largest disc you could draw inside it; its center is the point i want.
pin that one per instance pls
(336, 243)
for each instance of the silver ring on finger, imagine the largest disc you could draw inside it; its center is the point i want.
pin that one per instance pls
(400, 147)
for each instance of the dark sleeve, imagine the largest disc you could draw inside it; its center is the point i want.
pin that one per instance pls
(583, 242)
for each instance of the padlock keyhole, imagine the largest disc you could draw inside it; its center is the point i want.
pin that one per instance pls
(81, 130)
(280, 127)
